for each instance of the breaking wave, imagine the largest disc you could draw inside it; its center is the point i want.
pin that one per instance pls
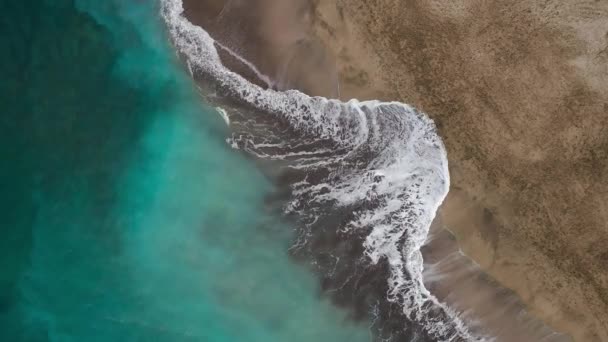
(365, 180)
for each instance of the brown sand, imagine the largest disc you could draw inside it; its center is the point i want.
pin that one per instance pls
(519, 91)
(488, 308)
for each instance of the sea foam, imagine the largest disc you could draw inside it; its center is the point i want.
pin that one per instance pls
(383, 161)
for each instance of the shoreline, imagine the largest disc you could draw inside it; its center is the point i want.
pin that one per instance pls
(375, 56)
(353, 264)
(508, 212)
(337, 206)
(487, 306)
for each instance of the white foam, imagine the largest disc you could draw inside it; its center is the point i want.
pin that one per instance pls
(408, 175)
(224, 115)
(247, 63)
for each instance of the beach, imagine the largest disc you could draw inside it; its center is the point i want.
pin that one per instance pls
(519, 92)
(519, 96)
(305, 170)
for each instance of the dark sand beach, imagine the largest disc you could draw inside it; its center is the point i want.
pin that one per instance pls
(519, 93)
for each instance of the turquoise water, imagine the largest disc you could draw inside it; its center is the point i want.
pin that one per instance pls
(125, 217)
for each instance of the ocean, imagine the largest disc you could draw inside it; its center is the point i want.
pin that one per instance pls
(126, 216)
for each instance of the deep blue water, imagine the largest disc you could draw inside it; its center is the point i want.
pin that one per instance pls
(125, 217)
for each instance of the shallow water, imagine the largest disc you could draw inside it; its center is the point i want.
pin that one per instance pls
(126, 216)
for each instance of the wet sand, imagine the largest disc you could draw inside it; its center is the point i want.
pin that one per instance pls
(520, 99)
(275, 36)
(489, 308)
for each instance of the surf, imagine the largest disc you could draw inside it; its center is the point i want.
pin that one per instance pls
(365, 180)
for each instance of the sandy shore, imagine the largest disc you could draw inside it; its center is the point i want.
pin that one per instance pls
(519, 90)
(488, 308)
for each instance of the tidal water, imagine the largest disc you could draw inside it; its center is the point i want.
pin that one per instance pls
(125, 216)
